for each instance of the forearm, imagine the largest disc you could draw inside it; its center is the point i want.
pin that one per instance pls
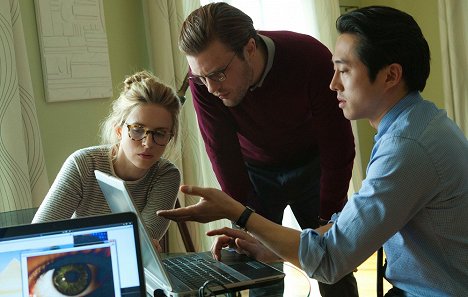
(281, 240)
(60, 203)
(216, 205)
(57, 205)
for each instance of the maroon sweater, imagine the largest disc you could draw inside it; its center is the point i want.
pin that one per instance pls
(292, 116)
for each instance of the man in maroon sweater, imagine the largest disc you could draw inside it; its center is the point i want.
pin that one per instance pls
(272, 129)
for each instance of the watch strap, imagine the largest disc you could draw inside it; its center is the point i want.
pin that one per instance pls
(242, 220)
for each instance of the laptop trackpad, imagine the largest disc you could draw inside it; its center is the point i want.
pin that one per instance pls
(246, 265)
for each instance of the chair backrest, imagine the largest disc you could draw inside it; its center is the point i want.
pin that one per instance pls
(380, 272)
(183, 89)
(184, 234)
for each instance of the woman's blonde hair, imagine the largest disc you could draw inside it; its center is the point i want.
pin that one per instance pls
(139, 89)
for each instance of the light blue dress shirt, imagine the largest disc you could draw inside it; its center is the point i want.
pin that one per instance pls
(414, 202)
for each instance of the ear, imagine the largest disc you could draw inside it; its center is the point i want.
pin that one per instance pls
(250, 48)
(118, 131)
(394, 75)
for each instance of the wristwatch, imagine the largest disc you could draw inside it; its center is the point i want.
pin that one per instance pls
(242, 220)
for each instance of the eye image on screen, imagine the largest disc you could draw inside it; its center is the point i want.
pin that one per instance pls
(78, 273)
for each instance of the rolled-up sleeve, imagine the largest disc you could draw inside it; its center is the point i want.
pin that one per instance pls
(310, 251)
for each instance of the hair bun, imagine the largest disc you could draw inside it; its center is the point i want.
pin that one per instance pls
(135, 78)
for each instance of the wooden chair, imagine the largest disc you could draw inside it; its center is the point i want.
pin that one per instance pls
(380, 272)
(184, 234)
(183, 89)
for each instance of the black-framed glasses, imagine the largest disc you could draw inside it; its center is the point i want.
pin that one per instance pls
(217, 76)
(138, 133)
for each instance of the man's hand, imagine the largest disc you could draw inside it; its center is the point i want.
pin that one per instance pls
(272, 242)
(213, 205)
(243, 242)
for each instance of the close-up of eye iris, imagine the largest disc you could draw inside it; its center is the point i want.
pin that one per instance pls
(72, 279)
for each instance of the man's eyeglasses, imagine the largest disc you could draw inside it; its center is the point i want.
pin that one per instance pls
(138, 132)
(217, 76)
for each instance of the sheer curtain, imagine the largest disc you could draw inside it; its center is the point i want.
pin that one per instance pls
(163, 21)
(316, 18)
(325, 14)
(454, 43)
(23, 177)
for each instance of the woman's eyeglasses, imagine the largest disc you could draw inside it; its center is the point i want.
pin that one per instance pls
(138, 132)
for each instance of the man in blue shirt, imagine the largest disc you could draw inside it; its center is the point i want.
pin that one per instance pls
(414, 199)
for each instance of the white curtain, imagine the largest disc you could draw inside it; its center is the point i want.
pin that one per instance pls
(23, 177)
(163, 21)
(454, 43)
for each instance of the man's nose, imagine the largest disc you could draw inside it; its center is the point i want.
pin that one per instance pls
(212, 86)
(335, 84)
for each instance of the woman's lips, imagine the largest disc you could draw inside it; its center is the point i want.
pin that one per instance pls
(145, 156)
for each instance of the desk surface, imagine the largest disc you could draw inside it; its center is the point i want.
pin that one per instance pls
(296, 283)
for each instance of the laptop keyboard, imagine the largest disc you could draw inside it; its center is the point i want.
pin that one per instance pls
(194, 270)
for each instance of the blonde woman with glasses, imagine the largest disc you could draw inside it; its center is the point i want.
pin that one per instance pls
(142, 124)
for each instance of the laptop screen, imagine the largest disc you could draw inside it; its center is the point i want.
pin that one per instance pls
(94, 256)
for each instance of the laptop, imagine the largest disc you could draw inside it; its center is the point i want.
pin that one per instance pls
(90, 256)
(235, 272)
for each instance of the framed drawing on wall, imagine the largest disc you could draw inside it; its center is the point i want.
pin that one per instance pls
(74, 51)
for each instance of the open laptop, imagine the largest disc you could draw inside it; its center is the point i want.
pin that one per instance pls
(237, 271)
(90, 256)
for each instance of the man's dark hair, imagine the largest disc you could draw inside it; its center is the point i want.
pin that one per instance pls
(387, 35)
(216, 21)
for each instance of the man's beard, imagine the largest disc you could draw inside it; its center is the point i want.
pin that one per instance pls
(247, 74)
